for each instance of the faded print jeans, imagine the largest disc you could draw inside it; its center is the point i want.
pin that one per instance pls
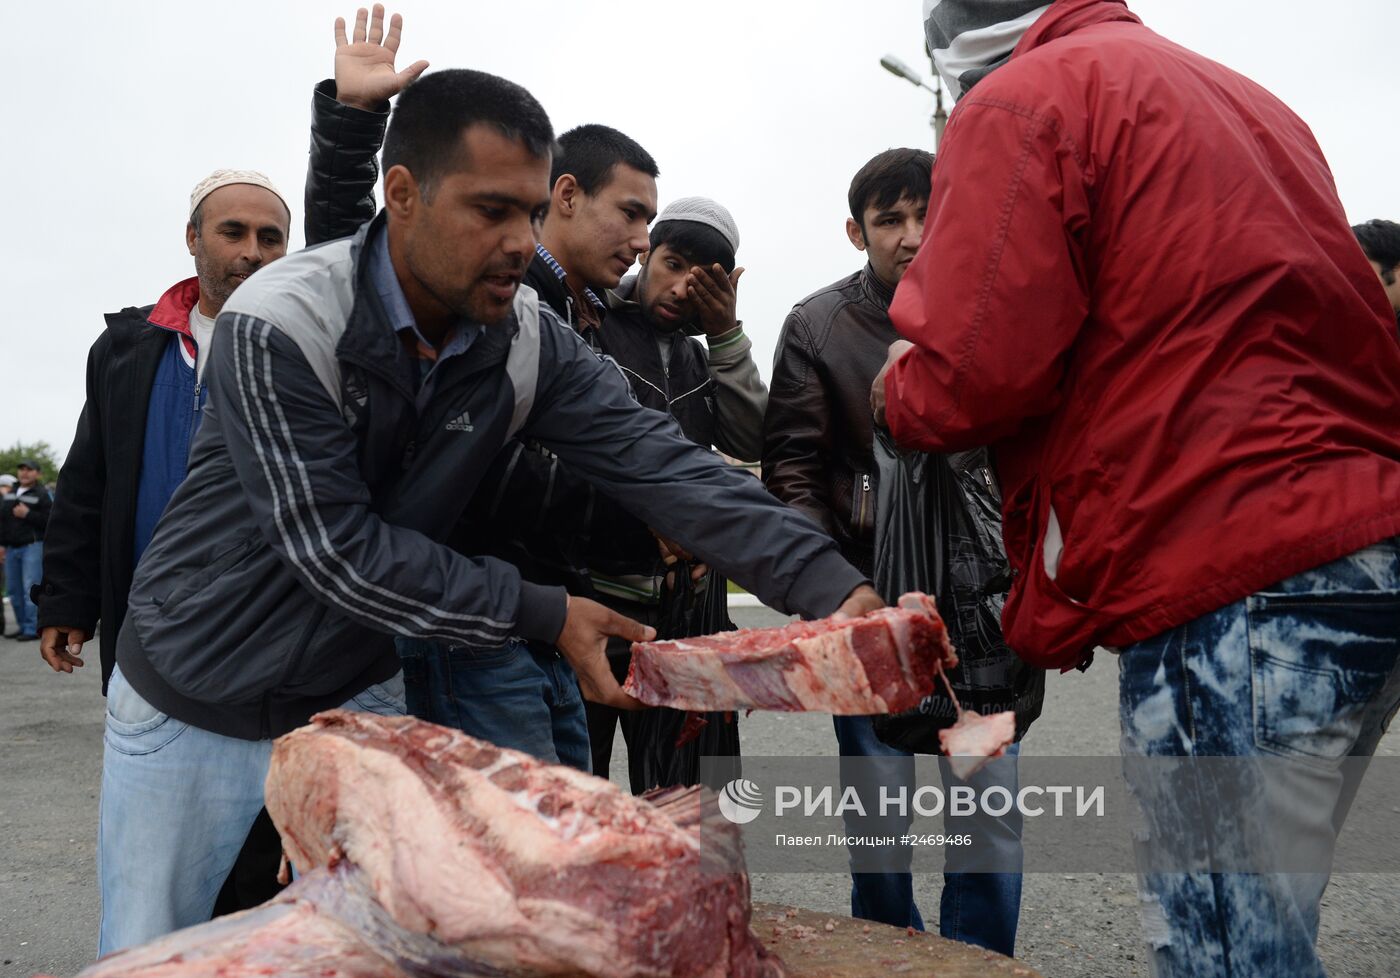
(1296, 682)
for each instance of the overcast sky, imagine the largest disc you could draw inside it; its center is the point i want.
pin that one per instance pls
(117, 110)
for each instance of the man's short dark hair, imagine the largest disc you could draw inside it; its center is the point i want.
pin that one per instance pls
(588, 153)
(697, 243)
(1380, 240)
(425, 130)
(888, 178)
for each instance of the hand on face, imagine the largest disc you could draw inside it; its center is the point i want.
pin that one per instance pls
(364, 67)
(713, 295)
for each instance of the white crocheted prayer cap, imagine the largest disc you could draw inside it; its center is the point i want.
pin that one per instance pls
(703, 210)
(224, 178)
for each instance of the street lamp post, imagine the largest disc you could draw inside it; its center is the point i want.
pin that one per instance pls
(940, 116)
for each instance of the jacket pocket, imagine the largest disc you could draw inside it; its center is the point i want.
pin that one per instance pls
(298, 653)
(220, 566)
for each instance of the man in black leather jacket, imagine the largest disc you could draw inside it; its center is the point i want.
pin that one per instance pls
(818, 457)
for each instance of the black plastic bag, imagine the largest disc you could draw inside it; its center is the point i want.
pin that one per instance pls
(938, 530)
(670, 743)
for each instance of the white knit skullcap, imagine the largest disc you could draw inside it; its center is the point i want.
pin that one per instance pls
(703, 210)
(224, 178)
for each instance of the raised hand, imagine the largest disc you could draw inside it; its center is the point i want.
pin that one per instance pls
(364, 66)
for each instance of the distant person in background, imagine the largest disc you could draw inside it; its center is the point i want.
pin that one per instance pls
(1380, 241)
(145, 398)
(7, 485)
(23, 519)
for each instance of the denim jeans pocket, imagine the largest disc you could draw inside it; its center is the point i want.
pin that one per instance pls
(464, 657)
(1318, 660)
(385, 699)
(133, 725)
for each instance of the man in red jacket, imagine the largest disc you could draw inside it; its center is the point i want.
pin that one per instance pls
(1137, 283)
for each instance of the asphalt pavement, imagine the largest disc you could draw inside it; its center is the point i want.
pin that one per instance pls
(1072, 925)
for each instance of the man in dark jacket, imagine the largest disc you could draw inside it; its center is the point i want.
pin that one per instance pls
(534, 514)
(358, 392)
(145, 398)
(818, 458)
(24, 520)
(650, 333)
(1138, 285)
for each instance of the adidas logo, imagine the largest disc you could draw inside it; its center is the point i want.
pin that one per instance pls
(463, 422)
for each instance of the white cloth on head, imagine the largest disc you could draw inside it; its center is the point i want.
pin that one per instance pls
(224, 178)
(970, 38)
(703, 210)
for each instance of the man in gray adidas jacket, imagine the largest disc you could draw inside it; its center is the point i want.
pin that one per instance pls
(358, 392)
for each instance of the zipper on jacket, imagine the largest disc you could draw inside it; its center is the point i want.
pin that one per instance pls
(197, 389)
(861, 504)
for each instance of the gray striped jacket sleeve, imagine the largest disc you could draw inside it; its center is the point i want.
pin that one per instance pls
(297, 460)
(640, 458)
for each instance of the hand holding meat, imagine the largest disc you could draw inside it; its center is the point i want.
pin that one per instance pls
(587, 627)
(858, 602)
(364, 68)
(877, 390)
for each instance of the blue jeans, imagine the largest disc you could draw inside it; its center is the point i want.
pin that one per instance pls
(24, 567)
(511, 696)
(1295, 679)
(177, 804)
(976, 907)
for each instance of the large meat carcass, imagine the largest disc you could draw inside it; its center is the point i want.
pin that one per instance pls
(325, 925)
(427, 853)
(516, 865)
